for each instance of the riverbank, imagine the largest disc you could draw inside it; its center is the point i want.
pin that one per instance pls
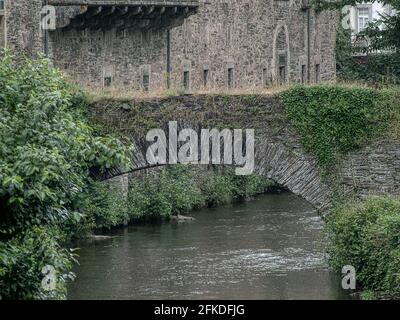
(162, 193)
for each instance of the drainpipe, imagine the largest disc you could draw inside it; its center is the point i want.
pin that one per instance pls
(45, 35)
(168, 59)
(308, 43)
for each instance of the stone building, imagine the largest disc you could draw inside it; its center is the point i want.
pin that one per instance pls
(181, 44)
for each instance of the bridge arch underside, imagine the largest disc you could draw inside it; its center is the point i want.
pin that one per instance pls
(294, 170)
(288, 166)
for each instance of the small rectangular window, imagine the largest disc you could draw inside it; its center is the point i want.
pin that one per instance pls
(186, 80)
(231, 79)
(2, 32)
(107, 82)
(205, 78)
(282, 75)
(146, 82)
(303, 74)
(1, 4)
(265, 77)
(317, 73)
(282, 68)
(282, 60)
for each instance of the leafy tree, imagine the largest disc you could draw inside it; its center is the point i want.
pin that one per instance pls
(47, 148)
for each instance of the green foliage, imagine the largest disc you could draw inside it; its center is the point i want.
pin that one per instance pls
(172, 190)
(46, 147)
(180, 189)
(377, 65)
(218, 187)
(376, 69)
(366, 235)
(46, 151)
(102, 207)
(333, 120)
(23, 258)
(248, 186)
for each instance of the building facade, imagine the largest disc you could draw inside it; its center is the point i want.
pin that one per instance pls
(179, 44)
(364, 13)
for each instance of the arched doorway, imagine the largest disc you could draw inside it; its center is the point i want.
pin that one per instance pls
(281, 60)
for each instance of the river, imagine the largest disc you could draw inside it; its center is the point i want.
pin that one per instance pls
(267, 248)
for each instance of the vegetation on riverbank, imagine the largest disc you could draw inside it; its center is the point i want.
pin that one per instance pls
(332, 121)
(47, 149)
(366, 235)
(162, 193)
(180, 189)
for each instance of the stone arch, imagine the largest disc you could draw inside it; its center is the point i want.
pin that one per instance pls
(294, 169)
(278, 152)
(285, 163)
(281, 46)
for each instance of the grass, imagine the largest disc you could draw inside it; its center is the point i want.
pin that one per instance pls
(127, 94)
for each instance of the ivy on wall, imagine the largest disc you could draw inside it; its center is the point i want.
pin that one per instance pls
(333, 120)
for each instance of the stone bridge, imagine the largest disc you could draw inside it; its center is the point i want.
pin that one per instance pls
(279, 154)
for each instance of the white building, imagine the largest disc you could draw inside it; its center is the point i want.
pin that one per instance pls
(363, 13)
(359, 17)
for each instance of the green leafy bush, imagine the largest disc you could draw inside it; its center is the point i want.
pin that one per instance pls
(23, 258)
(219, 188)
(102, 207)
(366, 235)
(333, 120)
(179, 189)
(47, 148)
(164, 193)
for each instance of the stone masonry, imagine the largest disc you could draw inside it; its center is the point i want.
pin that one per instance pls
(371, 171)
(181, 44)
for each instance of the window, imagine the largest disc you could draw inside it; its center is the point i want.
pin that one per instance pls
(282, 68)
(1, 4)
(205, 78)
(2, 33)
(363, 17)
(303, 73)
(317, 73)
(230, 78)
(107, 82)
(146, 82)
(265, 77)
(186, 80)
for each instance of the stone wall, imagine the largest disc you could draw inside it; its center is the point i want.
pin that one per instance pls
(90, 57)
(242, 36)
(374, 170)
(278, 152)
(228, 43)
(248, 36)
(279, 155)
(22, 25)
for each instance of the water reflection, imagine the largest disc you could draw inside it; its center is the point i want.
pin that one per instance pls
(269, 248)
